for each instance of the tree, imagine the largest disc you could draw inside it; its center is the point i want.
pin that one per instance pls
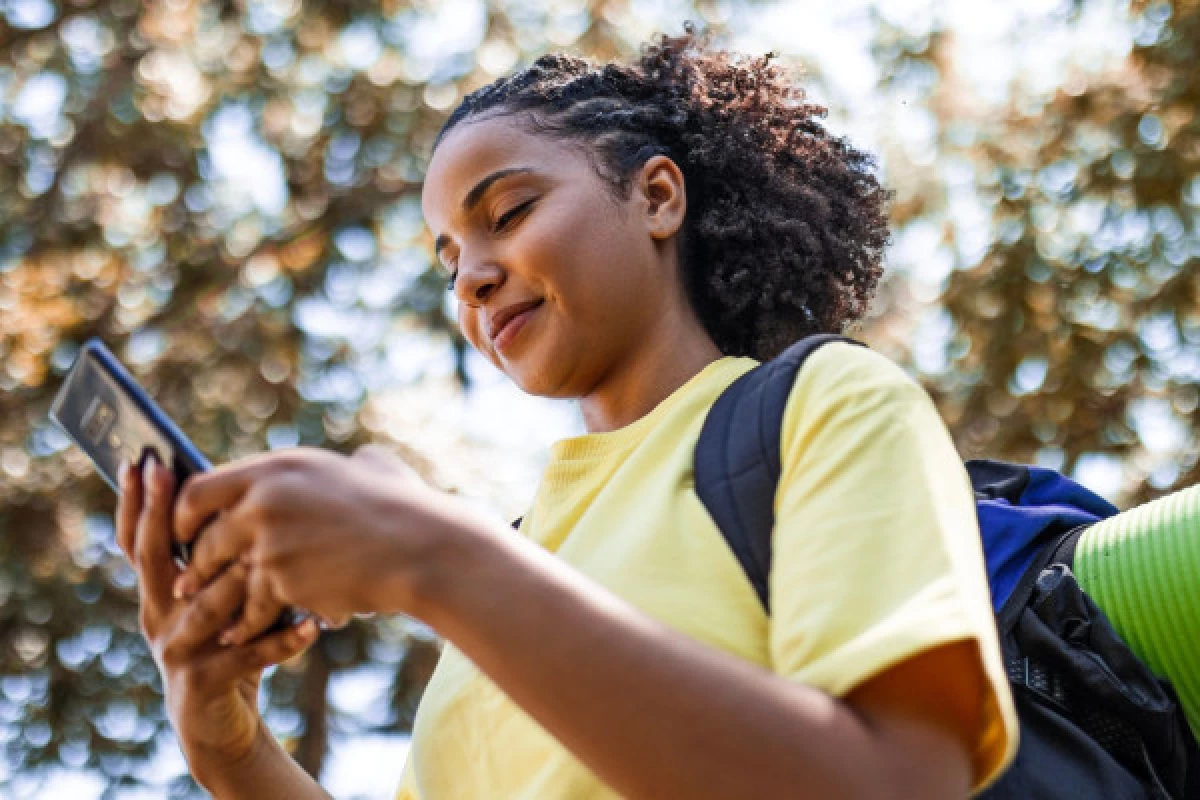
(1071, 316)
(226, 193)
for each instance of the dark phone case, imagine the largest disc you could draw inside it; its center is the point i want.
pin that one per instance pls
(104, 411)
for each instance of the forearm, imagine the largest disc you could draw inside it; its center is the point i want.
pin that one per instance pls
(652, 712)
(267, 771)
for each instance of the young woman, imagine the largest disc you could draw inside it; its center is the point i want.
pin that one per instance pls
(636, 238)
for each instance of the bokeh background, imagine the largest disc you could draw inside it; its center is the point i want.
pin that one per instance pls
(227, 193)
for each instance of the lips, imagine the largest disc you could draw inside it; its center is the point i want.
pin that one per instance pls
(505, 315)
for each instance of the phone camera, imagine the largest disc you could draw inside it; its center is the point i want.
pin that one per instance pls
(98, 421)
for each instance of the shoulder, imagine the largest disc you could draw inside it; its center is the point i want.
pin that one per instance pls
(846, 382)
(855, 415)
(858, 366)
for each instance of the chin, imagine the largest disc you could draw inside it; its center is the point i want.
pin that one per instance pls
(532, 378)
(539, 366)
(529, 382)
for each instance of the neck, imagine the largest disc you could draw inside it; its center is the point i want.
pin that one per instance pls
(673, 353)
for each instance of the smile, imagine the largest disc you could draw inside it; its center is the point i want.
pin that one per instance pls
(511, 329)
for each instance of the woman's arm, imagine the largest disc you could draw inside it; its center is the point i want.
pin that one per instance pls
(656, 714)
(649, 710)
(266, 771)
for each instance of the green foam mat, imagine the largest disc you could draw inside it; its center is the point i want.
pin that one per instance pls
(1142, 568)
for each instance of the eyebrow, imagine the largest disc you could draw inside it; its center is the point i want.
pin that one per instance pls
(476, 194)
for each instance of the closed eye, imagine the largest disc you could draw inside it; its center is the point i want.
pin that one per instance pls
(507, 217)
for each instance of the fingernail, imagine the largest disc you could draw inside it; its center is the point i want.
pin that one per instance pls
(123, 473)
(226, 638)
(178, 588)
(148, 474)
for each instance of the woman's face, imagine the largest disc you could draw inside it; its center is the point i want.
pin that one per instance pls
(522, 218)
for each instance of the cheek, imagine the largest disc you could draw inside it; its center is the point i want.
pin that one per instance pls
(574, 248)
(547, 243)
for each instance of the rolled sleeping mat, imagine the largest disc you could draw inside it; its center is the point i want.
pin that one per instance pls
(1142, 568)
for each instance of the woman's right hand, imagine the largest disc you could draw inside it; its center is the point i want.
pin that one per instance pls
(211, 689)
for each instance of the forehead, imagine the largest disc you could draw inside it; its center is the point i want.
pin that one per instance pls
(474, 149)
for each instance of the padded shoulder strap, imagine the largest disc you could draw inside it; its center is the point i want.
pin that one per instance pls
(737, 459)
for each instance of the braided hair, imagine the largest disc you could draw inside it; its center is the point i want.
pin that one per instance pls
(785, 226)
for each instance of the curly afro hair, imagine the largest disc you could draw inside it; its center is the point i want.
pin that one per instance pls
(786, 224)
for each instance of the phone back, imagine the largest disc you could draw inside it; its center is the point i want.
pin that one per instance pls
(111, 418)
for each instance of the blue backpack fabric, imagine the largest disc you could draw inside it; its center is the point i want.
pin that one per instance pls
(1017, 507)
(1095, 722)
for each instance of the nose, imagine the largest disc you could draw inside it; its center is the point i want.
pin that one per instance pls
(476, 280)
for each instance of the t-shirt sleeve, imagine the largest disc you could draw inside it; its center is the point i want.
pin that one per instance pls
(876, 549)
(407, 790)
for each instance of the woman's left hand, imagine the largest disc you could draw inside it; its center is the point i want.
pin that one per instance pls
(331, 534)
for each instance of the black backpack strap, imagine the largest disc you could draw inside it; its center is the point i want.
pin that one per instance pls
(1059, 549)
(737, 458)
(1064, 551)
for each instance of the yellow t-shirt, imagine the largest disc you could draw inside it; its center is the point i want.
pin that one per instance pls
(877, 558)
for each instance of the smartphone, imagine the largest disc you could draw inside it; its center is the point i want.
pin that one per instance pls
(111, 418)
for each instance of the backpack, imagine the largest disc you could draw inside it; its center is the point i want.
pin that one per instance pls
(1095, 722)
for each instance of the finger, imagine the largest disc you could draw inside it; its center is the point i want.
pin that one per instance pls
(205, 494)
(224, 540)
(274, 648)
(259, 613)
(152, 546)
(212, 610)
(230, 663)
(129, 508)
(335, 621)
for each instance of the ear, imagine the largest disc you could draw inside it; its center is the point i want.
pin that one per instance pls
(661, 183)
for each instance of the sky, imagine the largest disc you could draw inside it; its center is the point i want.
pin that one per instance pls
(507, 432)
